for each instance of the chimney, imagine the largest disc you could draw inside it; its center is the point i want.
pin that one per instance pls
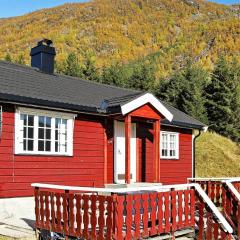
(42, 56)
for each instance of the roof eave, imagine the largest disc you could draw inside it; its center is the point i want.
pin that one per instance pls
(47, 104)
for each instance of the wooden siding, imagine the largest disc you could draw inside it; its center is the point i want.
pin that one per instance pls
(146, 111)
(177, 171)
(171, 171)
(85, 168)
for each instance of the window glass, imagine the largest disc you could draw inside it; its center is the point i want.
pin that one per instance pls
(44, 134)
(28, 131)
(169, 145)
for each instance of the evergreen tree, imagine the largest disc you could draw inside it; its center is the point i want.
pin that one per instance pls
(234, 129)
(185, 91)
(220, 94)
(192, 97)
(143, 77)
(8, 57)
(170, 90)
(89, 71)
(72, 67)
(115, 75)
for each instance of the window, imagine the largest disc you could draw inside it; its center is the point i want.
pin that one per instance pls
(43, 132)
(169, 145)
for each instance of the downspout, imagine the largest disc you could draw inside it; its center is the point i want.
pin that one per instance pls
(194, 152)
(204, 129)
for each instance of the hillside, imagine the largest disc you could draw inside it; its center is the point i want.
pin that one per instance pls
(167, 31)
(217, 156)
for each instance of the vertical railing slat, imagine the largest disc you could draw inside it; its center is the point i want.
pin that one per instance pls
(192, 208)
(85, 216)
(145, 215)
(93, 216)
(129, 208)
(37, 207)
(173, 210)
(167, 211)
(59, 213)
(65, 198)
(153, 206)
(119, 217)
(160, 213)
(180, 209)
(42, 209)
(72, 230)
(109, 222)
(186, 207)
(137, 217)
(53, 211)
(101, 220)
(79, 215)
(47, 196)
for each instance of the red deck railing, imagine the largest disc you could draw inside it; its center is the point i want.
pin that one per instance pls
(150, 214)
(221, 192)
(134, 215)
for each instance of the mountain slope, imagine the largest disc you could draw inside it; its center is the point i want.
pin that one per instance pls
(124, 30)
(217, 156)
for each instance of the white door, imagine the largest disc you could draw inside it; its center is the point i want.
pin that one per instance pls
(119, 152)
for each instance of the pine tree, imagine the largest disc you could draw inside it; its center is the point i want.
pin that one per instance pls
(142, 78)
(170, 90)
(72, 67)
(185, 91)
(115, 75)
(192, 97)
(220, 98)
(234, 129)
(8, 57)
(89, 70)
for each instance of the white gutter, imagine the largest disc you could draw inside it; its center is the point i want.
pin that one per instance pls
(196, 186)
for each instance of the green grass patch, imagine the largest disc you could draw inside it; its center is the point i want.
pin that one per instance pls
(217, 156)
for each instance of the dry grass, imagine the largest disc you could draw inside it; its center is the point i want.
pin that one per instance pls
(5, 238)
(217, 156)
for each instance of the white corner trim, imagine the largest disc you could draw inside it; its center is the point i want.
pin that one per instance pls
(144, 99)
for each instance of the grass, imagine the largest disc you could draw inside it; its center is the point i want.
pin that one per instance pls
(217, 156)
(5, 238)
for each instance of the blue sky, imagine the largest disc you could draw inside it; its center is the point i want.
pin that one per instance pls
(9, 8)
(226, 1)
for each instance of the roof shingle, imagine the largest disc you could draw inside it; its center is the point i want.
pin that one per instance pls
(24, 84)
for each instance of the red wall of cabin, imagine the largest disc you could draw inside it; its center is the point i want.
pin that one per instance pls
(85, 168)
(177, 171)
(171, 171)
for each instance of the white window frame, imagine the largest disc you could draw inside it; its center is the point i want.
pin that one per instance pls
(168, 142)
(36, 113)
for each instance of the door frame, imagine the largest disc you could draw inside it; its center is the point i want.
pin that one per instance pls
(133, 164)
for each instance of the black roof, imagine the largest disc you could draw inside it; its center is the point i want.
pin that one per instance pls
(27, 85)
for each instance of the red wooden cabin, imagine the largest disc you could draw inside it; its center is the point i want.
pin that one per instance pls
(62, 130)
